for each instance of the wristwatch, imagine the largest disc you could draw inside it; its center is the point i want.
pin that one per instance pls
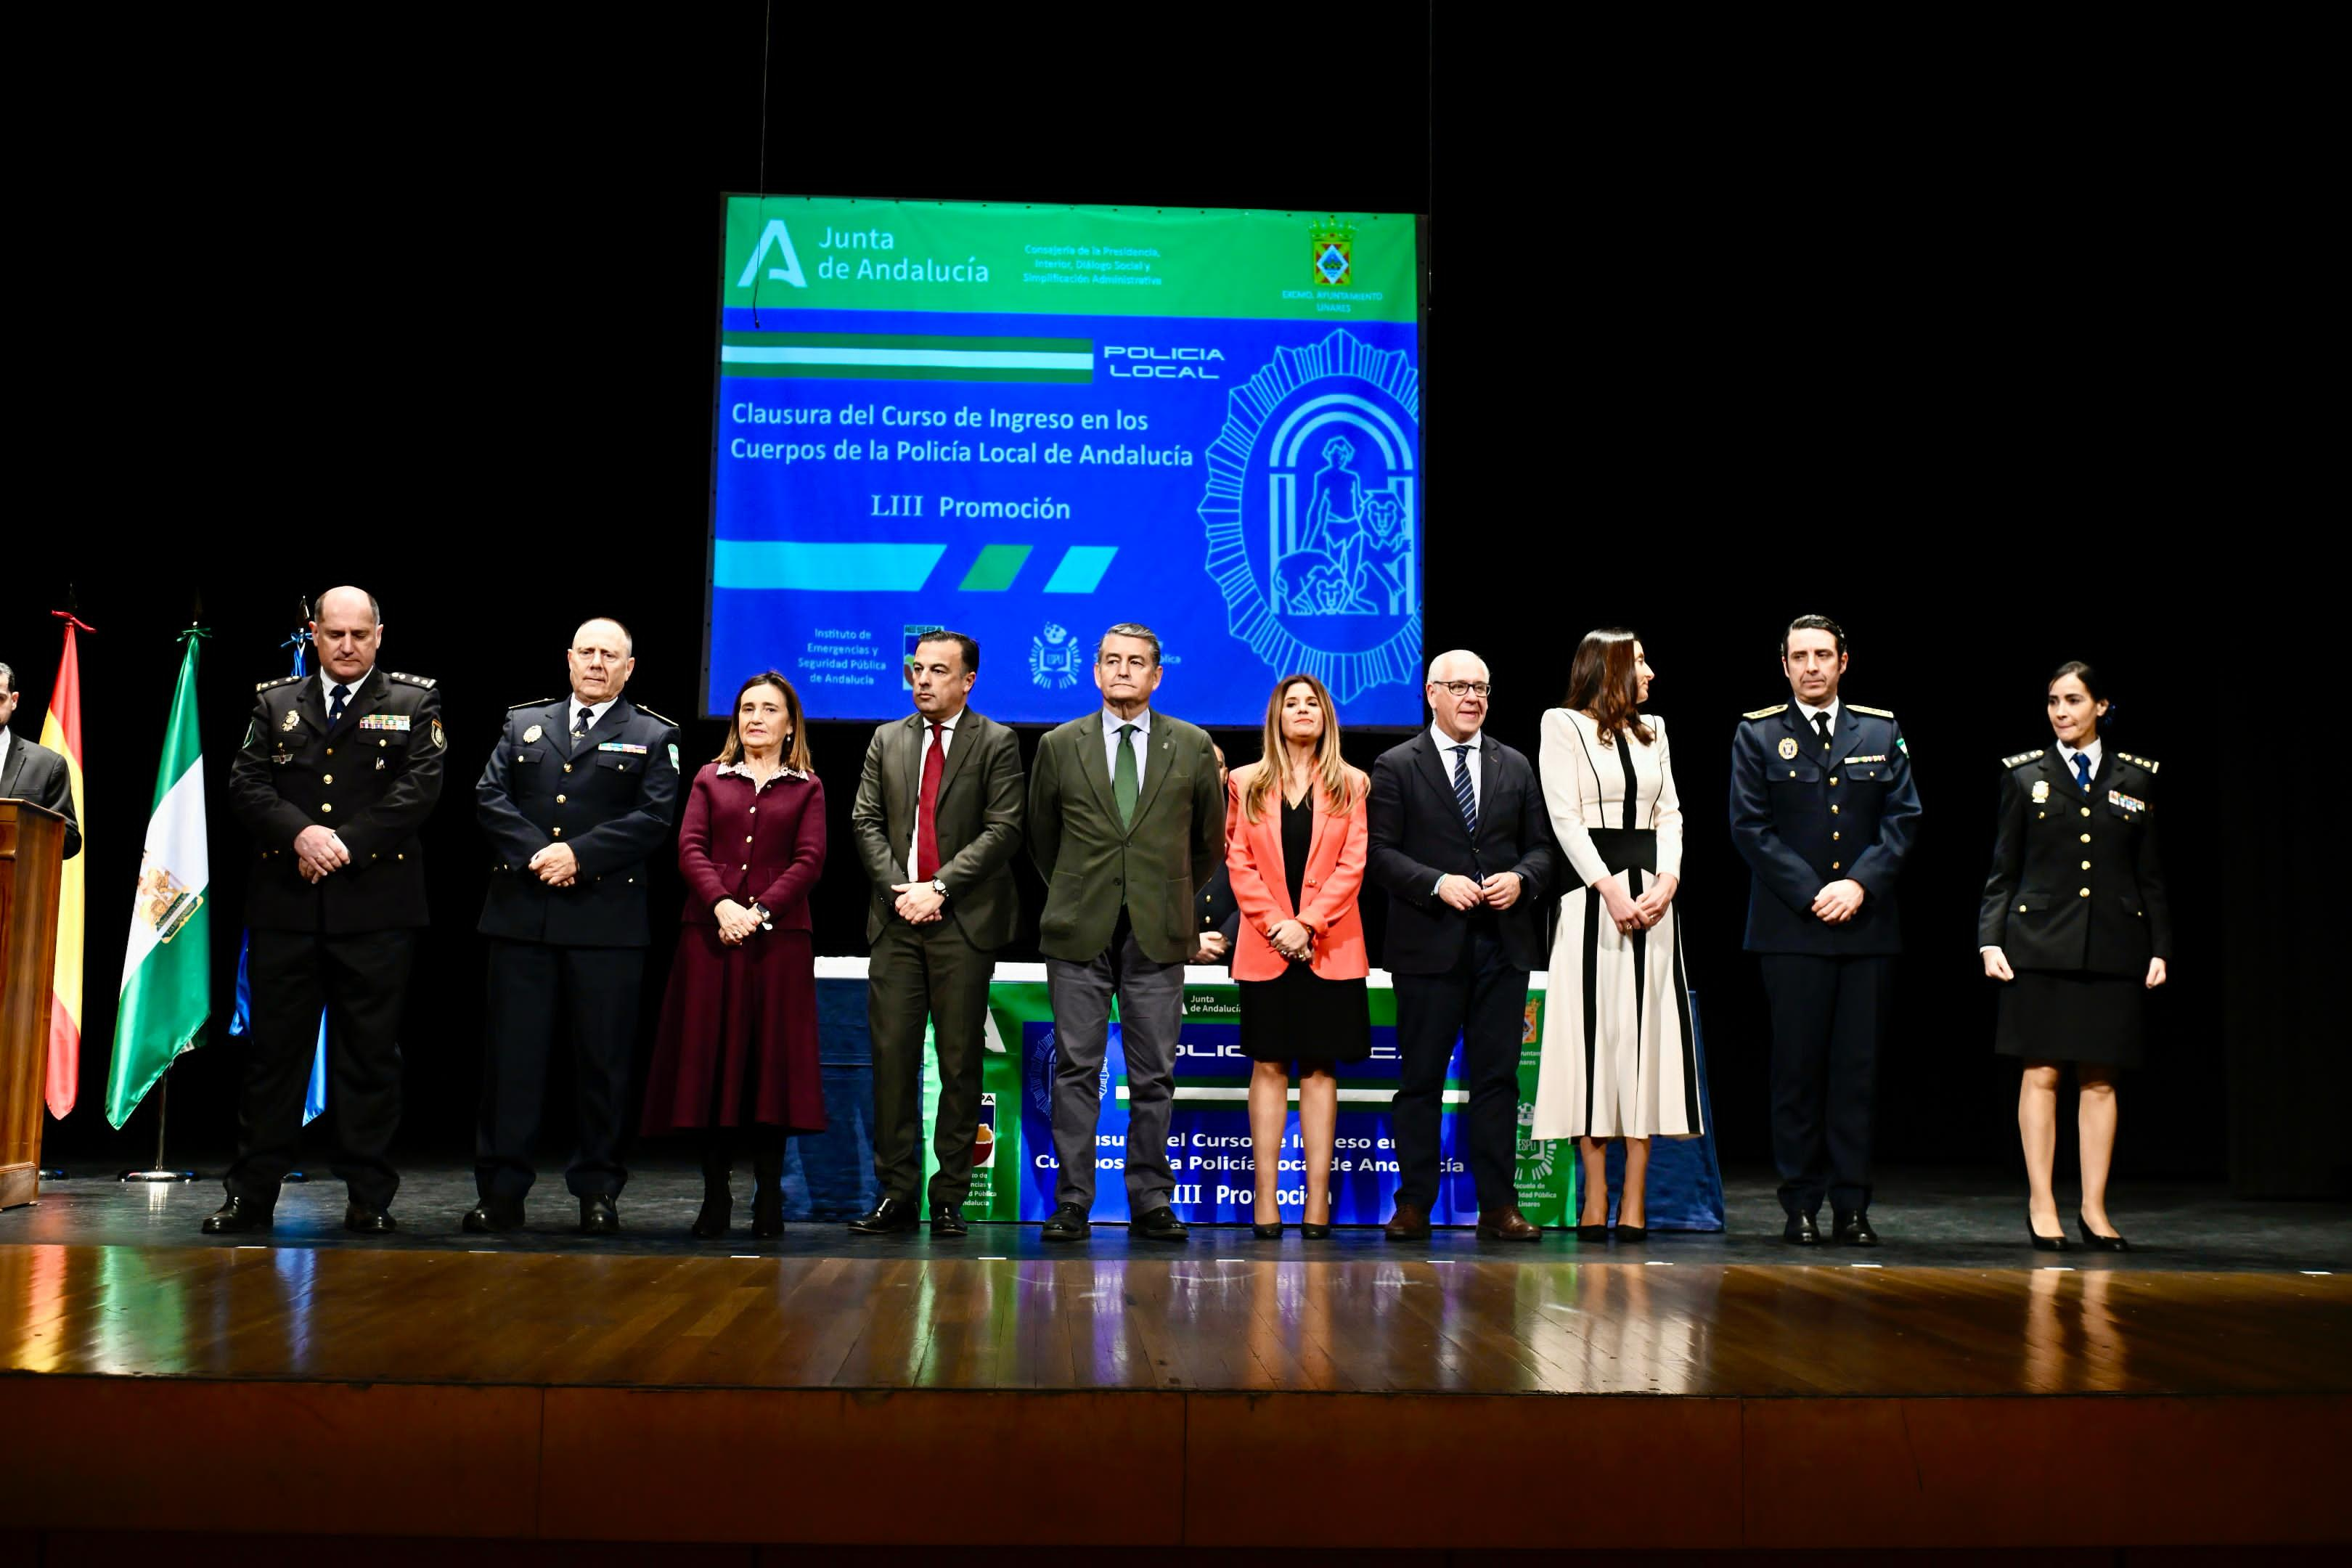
(938, 886)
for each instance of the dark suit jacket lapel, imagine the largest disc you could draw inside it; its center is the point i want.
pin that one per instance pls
(14, 767)
(1441, 779)
(310, 702)
(1842, 744)
(555, 727)
(968, 730)
(1162, 757)
(1093, 762)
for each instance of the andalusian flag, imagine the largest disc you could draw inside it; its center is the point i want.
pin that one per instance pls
(167, 972)
(61, 733)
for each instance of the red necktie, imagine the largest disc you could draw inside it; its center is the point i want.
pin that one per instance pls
(927, 808)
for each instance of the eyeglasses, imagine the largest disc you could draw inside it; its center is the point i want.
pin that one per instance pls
(1462, 688)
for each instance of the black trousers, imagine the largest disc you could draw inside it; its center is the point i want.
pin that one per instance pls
(917, 973)
(1483, 999)
(587, 996)
(1828, 1016)
(361, 981)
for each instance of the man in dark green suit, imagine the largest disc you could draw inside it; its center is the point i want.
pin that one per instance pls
(938, 820)
(1126, 817)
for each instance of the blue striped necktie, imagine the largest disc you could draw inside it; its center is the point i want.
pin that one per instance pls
(1463, 794)
(2083, 771)
(335, 711)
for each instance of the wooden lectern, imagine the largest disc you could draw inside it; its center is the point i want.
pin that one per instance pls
(32, 858)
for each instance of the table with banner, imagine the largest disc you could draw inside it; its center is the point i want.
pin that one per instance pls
(1209, 1138)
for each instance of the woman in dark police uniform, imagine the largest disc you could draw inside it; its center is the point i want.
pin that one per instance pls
(2075, 925)
(736, 1057)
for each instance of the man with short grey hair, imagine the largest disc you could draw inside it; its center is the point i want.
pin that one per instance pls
(33, 772)
(1126, 817)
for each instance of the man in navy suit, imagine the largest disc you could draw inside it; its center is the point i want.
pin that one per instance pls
(29, 772)
(1823, 811)
(1461, 845)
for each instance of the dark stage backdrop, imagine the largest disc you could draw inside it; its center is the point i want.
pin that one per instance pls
(1693, 365)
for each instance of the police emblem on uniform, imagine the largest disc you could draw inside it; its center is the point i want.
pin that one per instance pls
(1054, 657)
(1788, 748)
(531, 734)
(2041, 790)
(293, 719)
(1312, 509)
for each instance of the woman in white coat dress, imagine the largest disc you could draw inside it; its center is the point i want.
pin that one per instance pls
(1619, 1060)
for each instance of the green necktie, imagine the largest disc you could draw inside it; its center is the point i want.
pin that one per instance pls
(1122, 782)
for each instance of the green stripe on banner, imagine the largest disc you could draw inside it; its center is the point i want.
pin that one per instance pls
(903, 340)
(164, 1004)
(994, 571)
(905, 372)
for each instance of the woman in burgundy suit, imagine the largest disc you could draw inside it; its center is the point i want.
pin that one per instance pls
(736, 1055)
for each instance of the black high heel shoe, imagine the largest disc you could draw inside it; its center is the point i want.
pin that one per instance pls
(768, 1212)
(2098, 1242)
(1267, 1232)
(1632, 1232)
(1592, 1233)
(2045, 1243)
(718, 1209)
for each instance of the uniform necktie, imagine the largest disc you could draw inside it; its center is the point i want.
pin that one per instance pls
(1821, 723)
(927, 807)
(1123, 780)
(2083, 772)
(335, 708)
(587, 717)
(1463, 796)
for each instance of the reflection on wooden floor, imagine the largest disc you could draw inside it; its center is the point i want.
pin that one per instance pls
(1189, 1324)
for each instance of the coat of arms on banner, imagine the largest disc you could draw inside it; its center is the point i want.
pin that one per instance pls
(1335, 242)
(164, 902)
(1313, 513)
(1054, 657)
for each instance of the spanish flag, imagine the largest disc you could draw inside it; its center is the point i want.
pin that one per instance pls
(61, 733)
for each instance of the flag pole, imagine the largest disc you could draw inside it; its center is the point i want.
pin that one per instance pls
(161, 1173)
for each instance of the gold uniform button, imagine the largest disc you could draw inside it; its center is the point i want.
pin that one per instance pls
(755, 811)
(327, 778)
(747, 865)
(330, 750)
(1833, 811)
(2021, 909)
(1836, 865)
(2086, 892)
(2087, 811)
(2087, 864)
(559, 833)
(1833, 778)
(567, 767)
(1834, 836)
(2086, 839)
(558, 800)
(1792, 772)
(326, 805)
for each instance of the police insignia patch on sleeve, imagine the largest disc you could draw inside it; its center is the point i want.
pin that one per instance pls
(672, 757)
(252, 730)
(439, 740)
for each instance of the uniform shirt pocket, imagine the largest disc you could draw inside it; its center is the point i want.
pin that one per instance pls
(1801, 770)
(2031, 904)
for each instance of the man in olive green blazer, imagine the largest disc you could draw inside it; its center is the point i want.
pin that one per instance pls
(1126, 817)
(938, 823)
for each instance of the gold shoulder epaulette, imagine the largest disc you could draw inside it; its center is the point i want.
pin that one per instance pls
(2020, 758)
(658, 718)
(1767, 713)
(423, 681)
(2136, 761)
(1874, 712)
(281, 680)
(519, 706)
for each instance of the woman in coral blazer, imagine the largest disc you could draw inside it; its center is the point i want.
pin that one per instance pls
(1294, 846)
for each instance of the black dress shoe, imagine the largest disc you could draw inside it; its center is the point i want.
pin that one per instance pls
(1269, 1232)
(493, 1215)
(1591, 1233)
(1802, 1231)
(947, 1220)
(1159, 1225)
(1632, 1233)
(712, 1219)
(1313, 1232)
(238, 1215)
(1068, 1223)
(2098, 1242)
(889, 1216)
(599, 1215)
(2045, 1243)
(358, 1216)
(1853, 1230)
(768, 1212)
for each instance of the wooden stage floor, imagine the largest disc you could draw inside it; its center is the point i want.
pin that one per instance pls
(543, 1395)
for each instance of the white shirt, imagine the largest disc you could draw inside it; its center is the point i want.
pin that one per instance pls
(327, 684)
(1142, 738)
(1476, 759)
(946, 736)
(2067, 753)
(595, 711)
(5, 736)
(1808, 710)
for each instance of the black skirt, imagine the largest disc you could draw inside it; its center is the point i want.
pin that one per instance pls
(2057, 1015)
(1301, 1017)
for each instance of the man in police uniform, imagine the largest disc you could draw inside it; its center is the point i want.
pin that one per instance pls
(1823, 811)
(578, 793)
(337, 772)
